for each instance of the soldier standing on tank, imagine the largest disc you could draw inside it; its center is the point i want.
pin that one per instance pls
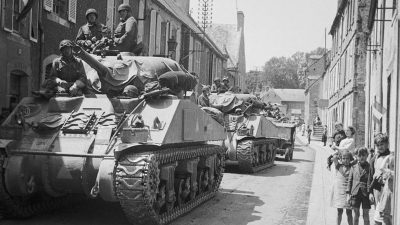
(125, 35)
(67, 74)
(91, 32)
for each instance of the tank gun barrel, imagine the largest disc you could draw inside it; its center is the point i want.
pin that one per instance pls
(91, 61)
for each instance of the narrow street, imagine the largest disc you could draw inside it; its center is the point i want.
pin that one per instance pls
(279, 195)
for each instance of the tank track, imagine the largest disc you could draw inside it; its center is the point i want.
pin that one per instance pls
(137, 178)
(24, 207)
(248, 157)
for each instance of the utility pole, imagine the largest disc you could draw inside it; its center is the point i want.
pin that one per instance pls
(205, 13)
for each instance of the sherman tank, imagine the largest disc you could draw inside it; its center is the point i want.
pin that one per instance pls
(252, 139)
(152, 154)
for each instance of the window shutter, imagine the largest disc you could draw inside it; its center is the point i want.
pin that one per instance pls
(8, 15)
(48, 5)
(72, 10)
(163, 44)
(158, 34)
(153, 26)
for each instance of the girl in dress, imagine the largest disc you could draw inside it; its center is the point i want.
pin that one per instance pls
(339, 200)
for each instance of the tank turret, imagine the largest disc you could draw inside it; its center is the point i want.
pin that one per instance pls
(252, 139)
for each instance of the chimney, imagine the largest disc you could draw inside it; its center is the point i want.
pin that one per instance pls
(184, 4)
(240, 21)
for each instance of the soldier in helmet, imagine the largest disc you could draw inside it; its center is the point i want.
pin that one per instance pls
(91, 32)
(203, 99)
(225, 85)
(67, 74)
(125, 35)
(216, 86)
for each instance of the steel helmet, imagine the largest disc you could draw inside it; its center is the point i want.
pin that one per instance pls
(89, 11)
(225, 78)
(125, 6)
(217, 79)
(65, 43)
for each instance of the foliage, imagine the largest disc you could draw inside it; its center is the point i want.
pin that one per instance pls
(288, 72)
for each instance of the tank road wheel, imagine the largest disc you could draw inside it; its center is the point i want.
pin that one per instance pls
(254, 155)
(24, 207)
(157, 187)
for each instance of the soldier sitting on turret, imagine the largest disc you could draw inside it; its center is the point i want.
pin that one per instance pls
(67, 74)
(225, 85)
(92, 32)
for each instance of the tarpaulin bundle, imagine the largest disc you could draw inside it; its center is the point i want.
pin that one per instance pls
(177, 80)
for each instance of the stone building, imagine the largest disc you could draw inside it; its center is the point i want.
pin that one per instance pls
(382, 105)
(291, 101)
(230, 39)
(347, 71)
(316, 67)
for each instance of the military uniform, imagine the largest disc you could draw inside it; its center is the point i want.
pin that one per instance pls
(126, 35)
(89, 31)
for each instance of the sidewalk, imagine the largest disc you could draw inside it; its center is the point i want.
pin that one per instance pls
(319, 210)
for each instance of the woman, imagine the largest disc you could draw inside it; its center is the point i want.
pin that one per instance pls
(347, 143)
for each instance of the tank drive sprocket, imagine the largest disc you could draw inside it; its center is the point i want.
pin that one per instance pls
(24, 207)
(147, 199)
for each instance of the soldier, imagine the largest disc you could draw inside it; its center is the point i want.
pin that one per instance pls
(225, 86)
(125, 35)
(67, 74)
(91, 32)
(203, 99)
(216, 87)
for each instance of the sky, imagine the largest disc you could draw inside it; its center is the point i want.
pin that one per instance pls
(277, 27)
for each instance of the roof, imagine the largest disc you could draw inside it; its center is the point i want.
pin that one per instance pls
(186, 19)
(227, 37)
(291, 95)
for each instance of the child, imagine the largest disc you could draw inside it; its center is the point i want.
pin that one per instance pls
(358, 192)
(386, 203)
(339, 200)
(336, 140)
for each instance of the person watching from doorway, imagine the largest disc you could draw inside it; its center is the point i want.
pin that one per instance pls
(358, 191)
(91, 32)
(67, 74)
(125, 34)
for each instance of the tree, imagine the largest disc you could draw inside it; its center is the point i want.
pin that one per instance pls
(282, 72)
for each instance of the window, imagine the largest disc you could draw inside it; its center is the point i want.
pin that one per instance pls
(153, 27)
(34, 24)
(65, 9)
